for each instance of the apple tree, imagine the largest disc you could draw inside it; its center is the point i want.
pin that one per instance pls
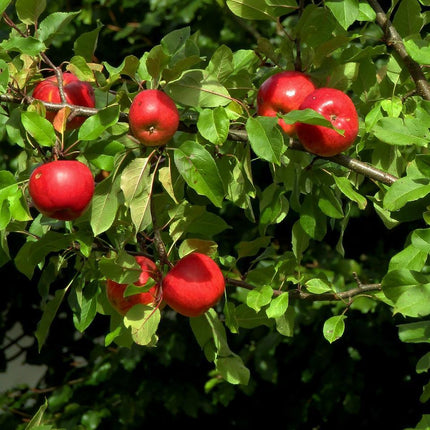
(229, 183)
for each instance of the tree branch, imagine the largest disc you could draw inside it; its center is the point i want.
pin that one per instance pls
(394, 39)
(235, 134)
(353, 164)
(323, 297)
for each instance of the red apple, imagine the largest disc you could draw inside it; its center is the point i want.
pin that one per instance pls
(282, 93)
(61, 189)
(115, 291)
(77, 93)
(339, 109)
(193, 285)
(153, 118)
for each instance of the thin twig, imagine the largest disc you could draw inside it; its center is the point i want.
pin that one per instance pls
(302, 295)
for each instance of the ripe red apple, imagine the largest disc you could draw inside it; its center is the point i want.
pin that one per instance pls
(61, 189)
(339, 109)
(153, 117)
(282, 93)
(77, 93)
(115, 291)
(193, 285)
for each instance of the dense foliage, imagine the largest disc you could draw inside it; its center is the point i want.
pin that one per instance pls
(324, 322)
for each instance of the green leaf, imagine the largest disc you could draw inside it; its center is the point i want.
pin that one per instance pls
(104, 205)
(408, 258)
(4, 76)
(423, 364)
(285, 323)
(420, 239)
(346, 188)
(415, 332)
(198, 88)
(121, 268)
(312, 220)
(398, 131)
(265, 138)
(345, 11)
(334, 328)
(198, 168)
(211, 336)
(128, 67)
(233, 370)
(28, 11)
(213, 125)
(95, 125)
(274, 206)
(37, 417)
(318, 286)
(278, 306)
(408, 19)
(83, 302)
(175, 40)
(33, 253)
(254, 9)
(307, 116)
(251, 248)
(4, 4)
(143, 321)
(330, 204)
(299, 240)
(405, 190)
(79, 67)
(424, 423)
(366, 13)
(102, 153)
(9, 193)
(53, 25)
(207, 225)
(259, 297)
(418, 50)
(247, 318)
(49, 312)
(409, 291)
(86, 44)
(221, 63)
(26, 45)
(136, 185)
(39, 128)
(155, 61)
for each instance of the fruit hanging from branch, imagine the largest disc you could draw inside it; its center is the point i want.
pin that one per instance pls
(115, 291)
(76, 92)
(153, 117)
(338, 108)
(281, 93)
(61, 189)
(193, 285)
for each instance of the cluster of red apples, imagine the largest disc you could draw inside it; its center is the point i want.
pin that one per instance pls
(191, 287)
(63, 189)
(287, 91)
